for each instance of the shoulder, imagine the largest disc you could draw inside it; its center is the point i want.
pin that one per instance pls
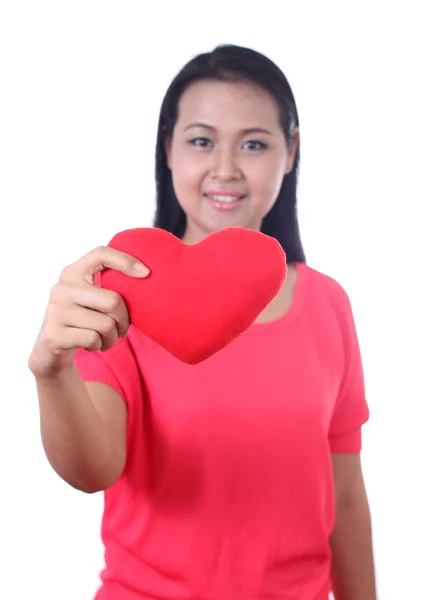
(325, 297)
(323, 284)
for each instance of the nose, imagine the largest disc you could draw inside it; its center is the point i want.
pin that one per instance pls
(225, 166)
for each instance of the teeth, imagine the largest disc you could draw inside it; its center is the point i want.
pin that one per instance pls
(224, 198)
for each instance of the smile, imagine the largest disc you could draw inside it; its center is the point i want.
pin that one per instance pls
(224, 201)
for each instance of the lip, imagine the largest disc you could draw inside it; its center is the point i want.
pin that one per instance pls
(224, 193)
(225, 206)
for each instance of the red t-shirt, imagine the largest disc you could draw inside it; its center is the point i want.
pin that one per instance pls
(228, 489)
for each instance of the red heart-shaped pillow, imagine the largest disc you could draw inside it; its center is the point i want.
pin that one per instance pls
(197, 298)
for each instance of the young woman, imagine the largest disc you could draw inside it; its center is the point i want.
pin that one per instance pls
(238, 477)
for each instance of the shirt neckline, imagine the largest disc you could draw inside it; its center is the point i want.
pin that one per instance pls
(293, 312)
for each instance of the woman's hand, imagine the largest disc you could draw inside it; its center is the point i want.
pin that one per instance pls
(81, 315)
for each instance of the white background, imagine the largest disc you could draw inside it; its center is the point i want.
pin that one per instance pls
(81, 87)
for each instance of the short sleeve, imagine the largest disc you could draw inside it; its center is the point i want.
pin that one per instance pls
(116, 367)
(92, 366)
(351, 409)
(119, 368)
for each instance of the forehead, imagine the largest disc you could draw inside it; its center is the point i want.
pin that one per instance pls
(241, 104)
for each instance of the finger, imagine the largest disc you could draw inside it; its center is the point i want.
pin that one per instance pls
(102, 258)
(103, 301)
(63, 339)
(104, 327)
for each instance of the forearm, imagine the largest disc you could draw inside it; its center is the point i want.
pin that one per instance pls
(75, 439)
(353, 573)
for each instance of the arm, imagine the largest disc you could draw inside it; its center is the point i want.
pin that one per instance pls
(83, 426)
(353, 572)
(83, 430)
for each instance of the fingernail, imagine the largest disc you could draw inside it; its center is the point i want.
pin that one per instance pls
(141, 269)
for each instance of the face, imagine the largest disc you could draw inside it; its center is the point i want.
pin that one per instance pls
(228, 156)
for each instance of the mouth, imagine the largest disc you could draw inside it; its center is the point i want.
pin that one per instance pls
(225, 201)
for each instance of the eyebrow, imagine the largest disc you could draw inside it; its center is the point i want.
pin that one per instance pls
(245, 131)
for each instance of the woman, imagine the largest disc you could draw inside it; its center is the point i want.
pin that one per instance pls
(238, 477)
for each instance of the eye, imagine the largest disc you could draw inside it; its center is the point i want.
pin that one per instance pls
(200, 142)
(255, 145)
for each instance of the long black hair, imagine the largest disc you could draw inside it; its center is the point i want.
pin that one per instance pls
(232, 63)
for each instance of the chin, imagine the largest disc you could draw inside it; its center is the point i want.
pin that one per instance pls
(231, 223)
(209, 221)
(232, 219)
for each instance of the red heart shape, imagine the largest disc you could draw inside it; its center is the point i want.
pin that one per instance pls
(197, 298)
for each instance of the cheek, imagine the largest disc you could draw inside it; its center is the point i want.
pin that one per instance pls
(187, 174)
(265, 182)
(186, 181)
